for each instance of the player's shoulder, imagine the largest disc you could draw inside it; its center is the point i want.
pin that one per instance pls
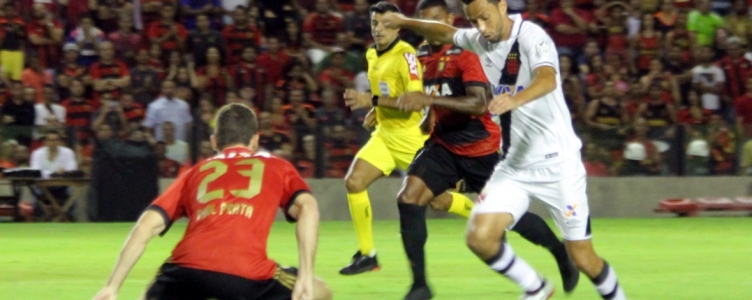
(403, 47)
(530, 31)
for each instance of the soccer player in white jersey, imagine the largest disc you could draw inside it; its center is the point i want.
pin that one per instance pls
(541, 153)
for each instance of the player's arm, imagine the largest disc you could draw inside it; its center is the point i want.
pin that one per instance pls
(544, 82)
(430, 30)
(473, 104)
(150, 224)
(306, 211)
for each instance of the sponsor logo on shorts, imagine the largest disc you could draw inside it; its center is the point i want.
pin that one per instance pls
(572, 222)
(412, 65)
(552, 155)
(571, 211)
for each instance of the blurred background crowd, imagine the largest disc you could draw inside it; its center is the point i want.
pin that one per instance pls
(654, 87)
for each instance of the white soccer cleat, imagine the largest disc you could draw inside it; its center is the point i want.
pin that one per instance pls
(545, 292)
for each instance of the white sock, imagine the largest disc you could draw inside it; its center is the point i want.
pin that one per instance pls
(608, 285)
(516, 269)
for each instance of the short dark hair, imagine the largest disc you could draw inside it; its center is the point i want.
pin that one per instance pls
(235, 124)
(383, 7)
(489, 1)
(425, 4)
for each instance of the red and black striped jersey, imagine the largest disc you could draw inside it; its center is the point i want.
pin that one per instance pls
(237, 38)
(134, 113)
(78, 115)
(446, 73)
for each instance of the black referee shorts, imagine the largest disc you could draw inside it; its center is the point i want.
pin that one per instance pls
(174, 282)
(441, 169)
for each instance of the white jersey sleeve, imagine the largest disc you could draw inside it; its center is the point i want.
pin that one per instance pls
(538, 47)
(468, 39)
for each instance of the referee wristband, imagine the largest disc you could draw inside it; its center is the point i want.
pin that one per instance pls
(375, 100)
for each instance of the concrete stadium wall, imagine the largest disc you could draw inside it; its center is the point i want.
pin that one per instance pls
(626, 197)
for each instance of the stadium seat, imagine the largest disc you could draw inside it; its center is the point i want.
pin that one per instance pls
(680, 206)
(715, 204)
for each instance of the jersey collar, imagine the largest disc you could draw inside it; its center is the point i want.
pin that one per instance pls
(381, 52)
(237, 149)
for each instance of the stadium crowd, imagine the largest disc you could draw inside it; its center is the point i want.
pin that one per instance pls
(654, 87)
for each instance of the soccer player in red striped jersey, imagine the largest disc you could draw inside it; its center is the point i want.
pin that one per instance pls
(230, 201)
(464, 145)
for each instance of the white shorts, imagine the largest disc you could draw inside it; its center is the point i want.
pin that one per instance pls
(562, 188)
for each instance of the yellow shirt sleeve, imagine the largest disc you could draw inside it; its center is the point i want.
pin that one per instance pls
(411, 72)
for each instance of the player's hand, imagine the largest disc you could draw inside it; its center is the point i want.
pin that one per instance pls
(355, 99)
(413, 101)
(393, 20)
(502, 104)
(370, 120)
(303, 289)
(106, 293)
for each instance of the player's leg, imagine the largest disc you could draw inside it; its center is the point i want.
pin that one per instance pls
(372, 162)
(503, 201)
(173, 282)
(568, 205)
(432, 172)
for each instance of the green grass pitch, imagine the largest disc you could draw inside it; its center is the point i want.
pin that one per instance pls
(697, 258)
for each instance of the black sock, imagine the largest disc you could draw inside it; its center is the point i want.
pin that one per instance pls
(534, 229)
(414, 236)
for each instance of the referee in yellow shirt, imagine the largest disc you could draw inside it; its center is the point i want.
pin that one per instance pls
(393, 70)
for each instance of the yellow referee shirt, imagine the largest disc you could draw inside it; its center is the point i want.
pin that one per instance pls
(391, 73)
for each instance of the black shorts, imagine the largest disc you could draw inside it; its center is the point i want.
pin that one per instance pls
(441, 169)
(174, 282)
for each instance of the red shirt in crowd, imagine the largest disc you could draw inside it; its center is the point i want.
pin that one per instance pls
(323, 28)
(134, 113)
(229, 215)
(49, 55)
(78, 115)
(578, 40)
(737, 72)
(160, 29)
(274, 65)
(114, 70)
(743, 107)
(216, 86)
(237, 38)
(685, 116)
(253, 76)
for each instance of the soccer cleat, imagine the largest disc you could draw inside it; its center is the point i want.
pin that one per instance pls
(419, 293)
(545, 292)
(570, 275)
(360, 264)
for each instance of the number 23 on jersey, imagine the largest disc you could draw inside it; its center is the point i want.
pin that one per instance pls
(254, 176)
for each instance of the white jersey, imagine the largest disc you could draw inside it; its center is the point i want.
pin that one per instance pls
(540, 133)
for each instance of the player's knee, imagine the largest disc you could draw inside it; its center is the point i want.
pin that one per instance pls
(440, 205)
(480, 238)
(407, 198)
(355, 184)
(586, 261)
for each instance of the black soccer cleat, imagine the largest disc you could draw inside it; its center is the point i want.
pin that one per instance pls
(419, 293)
(570, 275)
(360, 264)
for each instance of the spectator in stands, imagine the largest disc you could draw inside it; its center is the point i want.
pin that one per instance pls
(658, 113)
(125, 40)
(19, 110)
(743, 105)
(278, 119)
(144, 79)
(645, 46)
(174, 63)
(336, 77)
(12, 45)
(108, 12)
(593, 161)
(723, 142)
(305, 160)
(70, 70)
(45, 35)
(78, 110)
(240, 35)
(168, 168)
(205, 150)
(49, 108)
(36, 77)
(177, 150)
(88, 38)
(156, 60)
(697, 155)
(7, 150)
(535, 14)
(735, 67)
(358, 27)
(213, 78)
(269, 139)
(320, 30)
(109, 74)
(111, 113)
(202, 38)
(297, 77)
(666, 82)
(293, 41)
(694, 113)
(329, 115)
(340, 152)
(681, 72)
(134, 112)
(273, 60)
(682, 38)
(168, 108)
(739, 23)
(605, 117)
(299, 114)
(708, 79)
(53, 159)
(168, 34)
(704, 23)
(247, 73)
(666, 17)
(150, 10)
(571, 26)
(641, 156)
(191, 9)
